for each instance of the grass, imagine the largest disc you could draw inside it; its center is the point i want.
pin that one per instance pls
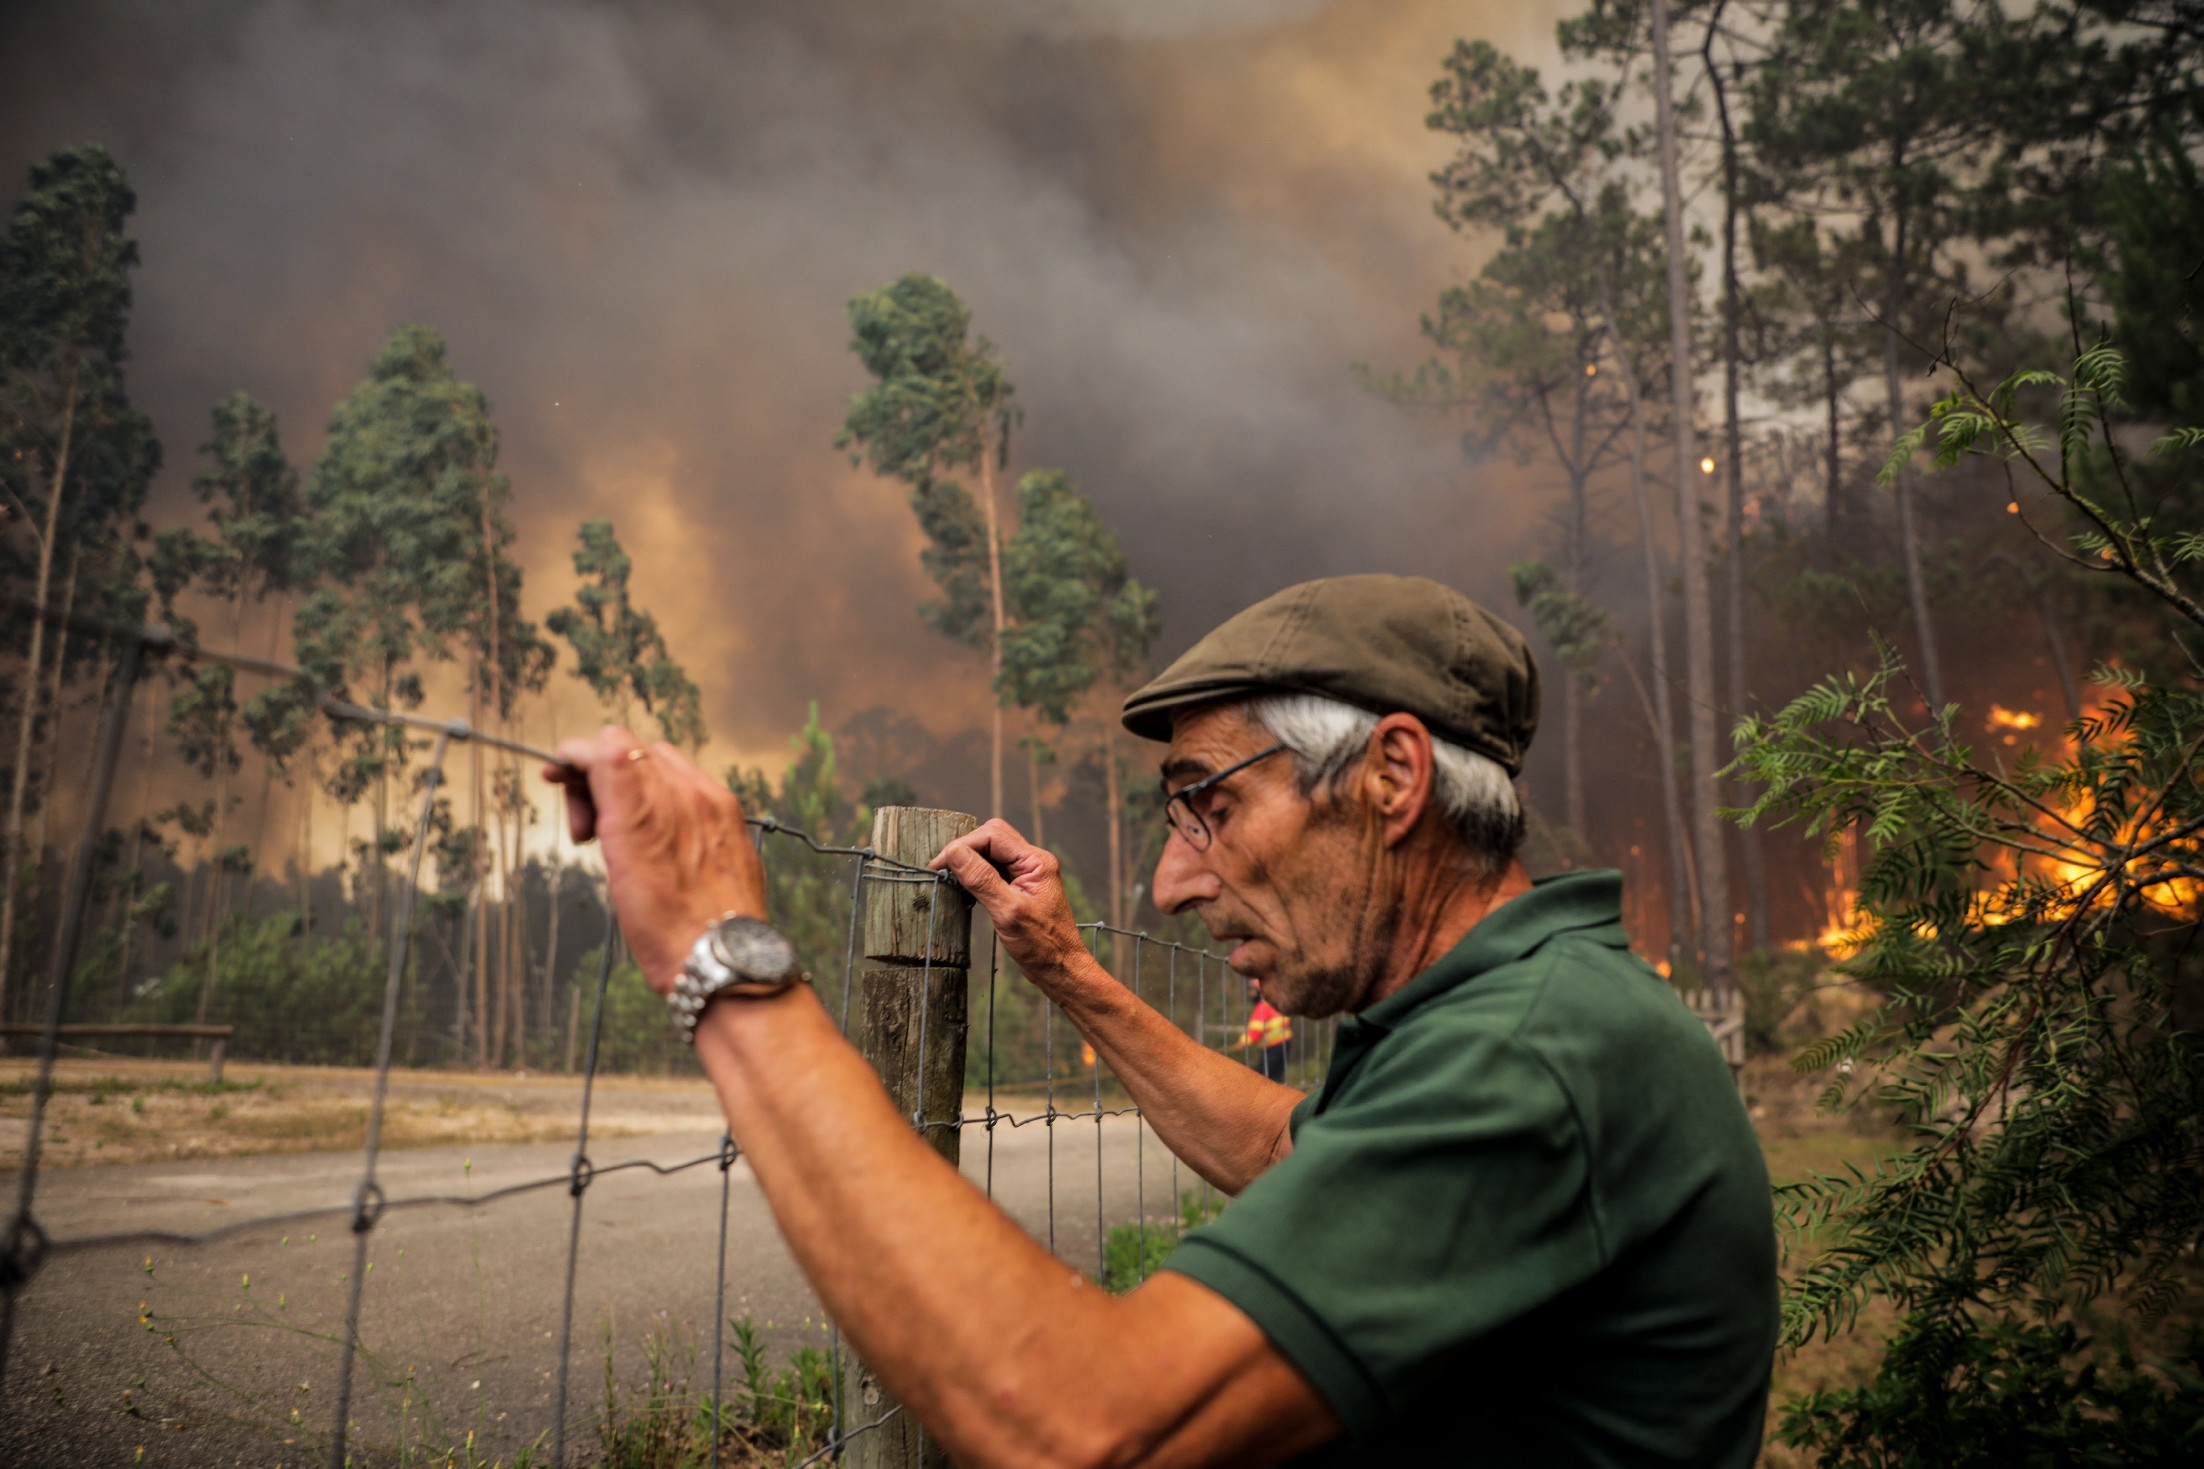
(774, 1417)
(101, 1089)
(152, 1118)
(1133, 1252)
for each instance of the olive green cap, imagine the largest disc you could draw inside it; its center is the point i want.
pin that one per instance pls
(1388, 644)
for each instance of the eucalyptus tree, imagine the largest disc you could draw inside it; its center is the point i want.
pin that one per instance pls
(259, 523)
(618, 649)
(941, 407)
(1080, 634)
(398, 501)
(75, 455)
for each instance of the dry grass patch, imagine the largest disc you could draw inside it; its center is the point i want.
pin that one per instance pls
(137, 1119)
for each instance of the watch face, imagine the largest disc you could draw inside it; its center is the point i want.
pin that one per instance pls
(754, 950)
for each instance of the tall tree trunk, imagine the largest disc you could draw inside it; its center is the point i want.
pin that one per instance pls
(1757, 936)
(994, 643)
(512, 1017)
(46, 785)
(554, 875)
(213, 928)
(481, 897)
(1682, 886)
(1909, 545)
(306, 788)
(382, 798)
(1834, 517)
(267, 766)
(1715, 933)
(137, 853)
(493, 1034)
(11, 845)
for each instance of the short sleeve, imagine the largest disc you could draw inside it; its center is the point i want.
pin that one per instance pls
(1442, 1194)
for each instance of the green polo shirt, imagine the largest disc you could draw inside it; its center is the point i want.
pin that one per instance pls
(1525, 1221)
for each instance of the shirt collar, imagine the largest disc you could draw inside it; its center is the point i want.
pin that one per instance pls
(1587, 902)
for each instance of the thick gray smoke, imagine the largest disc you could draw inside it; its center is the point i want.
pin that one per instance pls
(637, 226)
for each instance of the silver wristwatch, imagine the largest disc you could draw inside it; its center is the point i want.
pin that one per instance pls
(745, 957)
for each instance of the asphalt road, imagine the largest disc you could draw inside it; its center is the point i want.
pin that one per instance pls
(462, 1302)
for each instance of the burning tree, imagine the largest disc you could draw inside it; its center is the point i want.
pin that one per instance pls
(2032, 929)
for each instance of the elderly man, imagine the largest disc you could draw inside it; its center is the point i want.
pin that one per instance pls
(1524, 1221)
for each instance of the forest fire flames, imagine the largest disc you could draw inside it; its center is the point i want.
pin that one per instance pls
(2060, 844)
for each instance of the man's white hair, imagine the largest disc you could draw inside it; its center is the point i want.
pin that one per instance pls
(1327, 737)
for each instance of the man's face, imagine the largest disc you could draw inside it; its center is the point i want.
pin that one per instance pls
(1291, 883)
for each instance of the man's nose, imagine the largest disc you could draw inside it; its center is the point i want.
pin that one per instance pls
(1182, 877)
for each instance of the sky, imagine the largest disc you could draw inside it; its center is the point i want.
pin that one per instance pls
(637, 226)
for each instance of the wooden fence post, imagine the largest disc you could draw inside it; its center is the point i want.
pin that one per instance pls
(911, 1023)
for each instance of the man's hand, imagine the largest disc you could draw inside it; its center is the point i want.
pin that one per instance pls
(1022, 889)
(677, 855)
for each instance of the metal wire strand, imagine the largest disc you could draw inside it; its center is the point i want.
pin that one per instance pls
(367, 1198)
(579, 1184)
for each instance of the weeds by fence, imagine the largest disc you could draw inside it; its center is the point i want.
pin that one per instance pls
(810, 1408)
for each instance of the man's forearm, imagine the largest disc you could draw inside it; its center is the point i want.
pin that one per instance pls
(1008, 1353)
(1226, 1121)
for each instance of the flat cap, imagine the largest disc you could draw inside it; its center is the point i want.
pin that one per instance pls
(1388, 644)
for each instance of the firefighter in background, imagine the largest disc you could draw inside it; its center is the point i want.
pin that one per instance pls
(1270, 1029)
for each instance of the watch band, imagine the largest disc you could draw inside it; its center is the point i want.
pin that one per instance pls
(746, 958)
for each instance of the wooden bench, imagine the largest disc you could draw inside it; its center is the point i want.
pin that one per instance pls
(219, 1034)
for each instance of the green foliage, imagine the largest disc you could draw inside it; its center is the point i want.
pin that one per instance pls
(666, 1421)
(65, 298)
(408, 521)
(941, 405)
(941, 400)
(1133, 1252)
(2030, 929)
(312, 999)
(1572, 626)
(637, 1035)
(253, 495)
(807, 892)
(1078, 616)
(2154, 209)
(788, 1411)
(1577, 278)
(621, 653)
(2005, 1395)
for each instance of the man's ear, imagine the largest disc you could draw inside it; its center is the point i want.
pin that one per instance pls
(1400, 774)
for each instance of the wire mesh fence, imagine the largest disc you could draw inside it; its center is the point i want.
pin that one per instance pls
(1002, 1059)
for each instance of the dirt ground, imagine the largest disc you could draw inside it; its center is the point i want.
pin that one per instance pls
(1800, 1142)
(123, 1111)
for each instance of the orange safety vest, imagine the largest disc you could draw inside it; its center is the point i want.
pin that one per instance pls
(1267, 1027)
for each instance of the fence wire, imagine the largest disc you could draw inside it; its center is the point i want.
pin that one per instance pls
(25, 1246)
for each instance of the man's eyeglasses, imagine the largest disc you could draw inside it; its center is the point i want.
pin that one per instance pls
(1183, 808)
